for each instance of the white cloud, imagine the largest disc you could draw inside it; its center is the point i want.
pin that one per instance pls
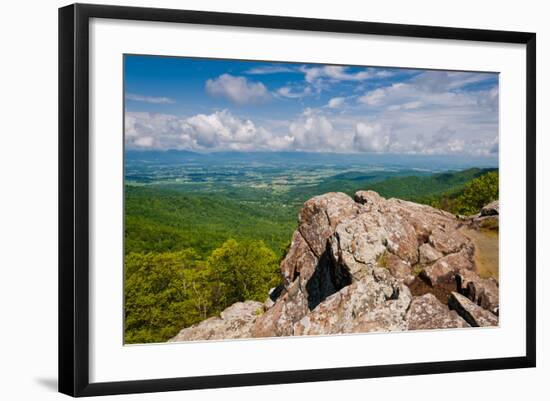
(144, 141)
(291, 93)
(237, 89)
(336, 102)
(383, 74)
(440, 81)
(375, 96)
(314, 131)
(335, 73)
(203, 132)
(371, 138)
(405, 106)
(437, 112)
(149, 99)
(403, 132)
(324, 77)
(435, 89)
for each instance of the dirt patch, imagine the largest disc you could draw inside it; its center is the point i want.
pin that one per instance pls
(419, 287)
(486, 251)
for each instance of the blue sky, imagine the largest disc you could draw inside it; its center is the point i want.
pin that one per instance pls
(224, 105)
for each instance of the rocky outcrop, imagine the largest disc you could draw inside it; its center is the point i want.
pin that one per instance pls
(351, 268)
(475, 315)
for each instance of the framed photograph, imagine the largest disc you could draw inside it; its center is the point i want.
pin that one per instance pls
(250, 199)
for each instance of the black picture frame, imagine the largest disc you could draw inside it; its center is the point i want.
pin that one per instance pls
(74, 198)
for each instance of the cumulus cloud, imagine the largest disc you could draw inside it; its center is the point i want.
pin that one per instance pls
(403, 132)
(219, 131)
(371, 138)
(237, 89)
(149, 99)
(313, 131)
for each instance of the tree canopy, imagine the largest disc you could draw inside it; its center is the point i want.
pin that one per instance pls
(167, 291)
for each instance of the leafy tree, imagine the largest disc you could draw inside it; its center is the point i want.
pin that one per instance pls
(478, 193)
(163, 293)
(240, 271)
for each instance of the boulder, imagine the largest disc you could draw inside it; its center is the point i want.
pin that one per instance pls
(487, 218)
(490, 209)
(474, 314)
(320, 216)
(482, 291)
(444, 270)
(423, 218)
(490, 222)
(370, 199)
(426, 312)
(234, 322)
(299, 260)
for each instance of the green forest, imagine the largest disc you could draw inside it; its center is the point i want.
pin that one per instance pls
(190, 253)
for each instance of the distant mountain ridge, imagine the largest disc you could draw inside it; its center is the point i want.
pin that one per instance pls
(431, 162)
(410, 187)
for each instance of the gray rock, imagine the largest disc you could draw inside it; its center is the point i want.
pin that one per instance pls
(474, 314)
(428, 254)
(280, 318)
(449, 240)
(234, 322)
(426, 312)
(490, 209)
(371, 304)
(483, 292)
(444, 270)
(399, 269)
